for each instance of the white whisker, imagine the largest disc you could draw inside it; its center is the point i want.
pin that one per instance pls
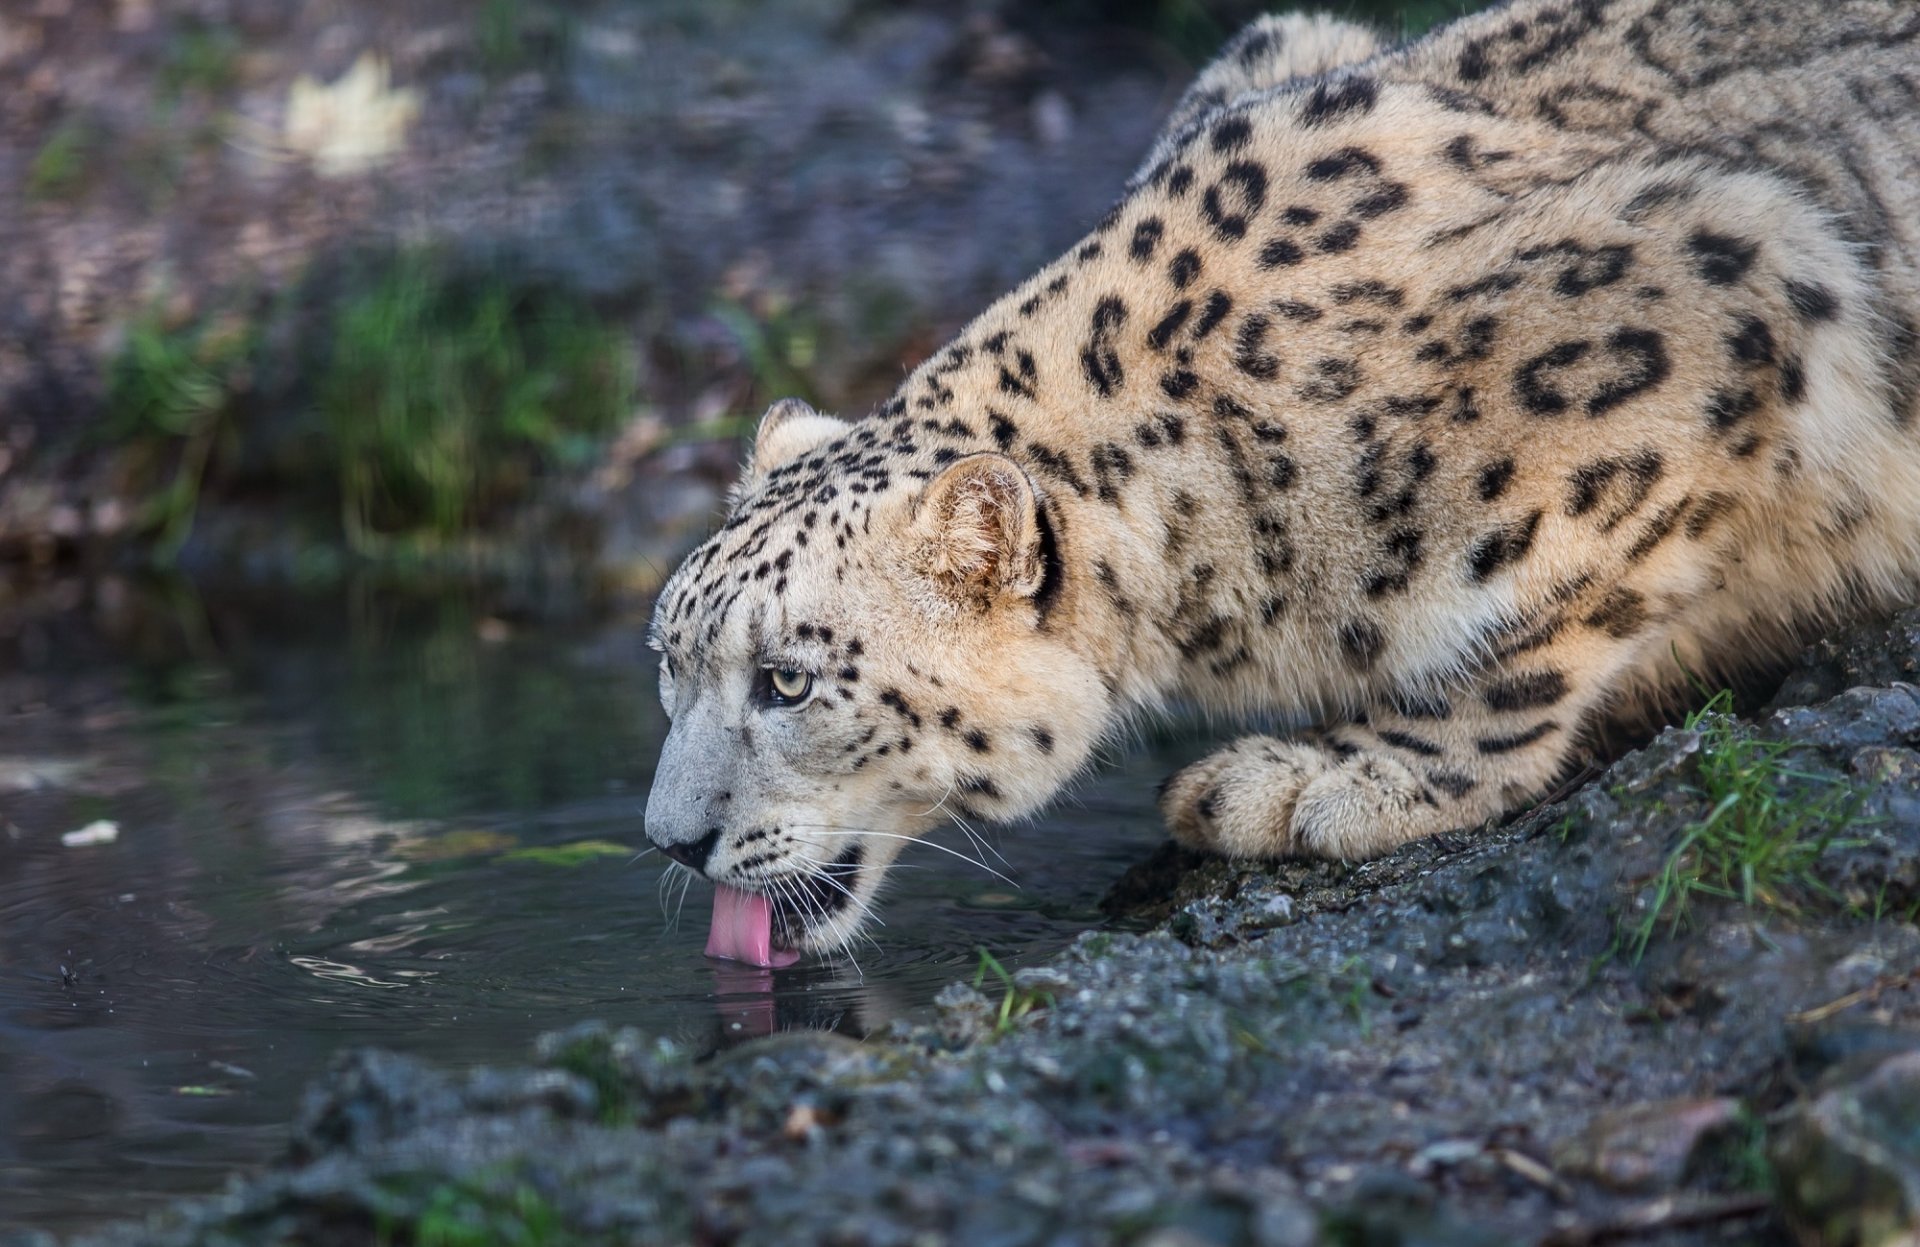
(832, 829)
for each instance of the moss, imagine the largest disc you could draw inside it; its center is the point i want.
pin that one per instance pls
(474, 1213)
(590, 1055)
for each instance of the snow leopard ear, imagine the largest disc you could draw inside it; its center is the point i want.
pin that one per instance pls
(981, 533)
(789, 429)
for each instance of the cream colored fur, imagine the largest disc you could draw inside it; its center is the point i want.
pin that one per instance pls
(1449, 398)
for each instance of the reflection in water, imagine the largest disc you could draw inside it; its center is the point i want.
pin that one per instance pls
(367, 822)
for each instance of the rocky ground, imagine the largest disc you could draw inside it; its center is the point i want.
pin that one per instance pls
(1518, 1036)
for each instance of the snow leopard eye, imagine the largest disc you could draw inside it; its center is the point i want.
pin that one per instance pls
(787, 686)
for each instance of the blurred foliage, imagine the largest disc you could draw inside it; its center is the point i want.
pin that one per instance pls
(58, 171)
(438, 395)
(512, 35)
(171, 396)
(200, 58)
(445, 392)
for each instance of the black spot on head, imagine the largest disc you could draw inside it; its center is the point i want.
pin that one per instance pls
(1300, 214)
(1720, 258)
(1183, 268)
(1042, 738)
(894, 699)
(1180, 181)
(979, 785)
(977, 740)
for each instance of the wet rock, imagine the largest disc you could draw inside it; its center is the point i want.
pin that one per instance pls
(369, 1097)
(1873, 652)
(1849, 1163)
(965, 1015)
(1647, 1147)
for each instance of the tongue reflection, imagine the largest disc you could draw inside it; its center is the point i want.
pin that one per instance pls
(743, 929)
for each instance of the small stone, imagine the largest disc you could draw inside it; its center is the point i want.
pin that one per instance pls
(964, 1015)
(1646, 1147)
(1849, 1164)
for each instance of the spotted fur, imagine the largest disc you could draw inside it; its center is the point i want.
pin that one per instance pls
(1443, 395)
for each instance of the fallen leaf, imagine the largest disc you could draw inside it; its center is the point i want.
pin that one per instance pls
(100, 831)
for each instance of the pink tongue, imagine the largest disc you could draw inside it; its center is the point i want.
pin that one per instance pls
(743, 929)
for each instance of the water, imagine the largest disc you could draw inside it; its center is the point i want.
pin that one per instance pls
(368, 822)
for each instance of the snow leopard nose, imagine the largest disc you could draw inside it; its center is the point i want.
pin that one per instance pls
(694, 853)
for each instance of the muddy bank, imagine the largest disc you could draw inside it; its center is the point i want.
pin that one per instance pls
(1520, 1036)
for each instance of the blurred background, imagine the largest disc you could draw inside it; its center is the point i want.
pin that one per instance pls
(459, 289)
(363, 368)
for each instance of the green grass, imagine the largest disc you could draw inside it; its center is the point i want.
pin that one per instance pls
(1016, 1002)
(416, 401)
(171, 393)
(1767, 826)
(444, 396)
(59, 170)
